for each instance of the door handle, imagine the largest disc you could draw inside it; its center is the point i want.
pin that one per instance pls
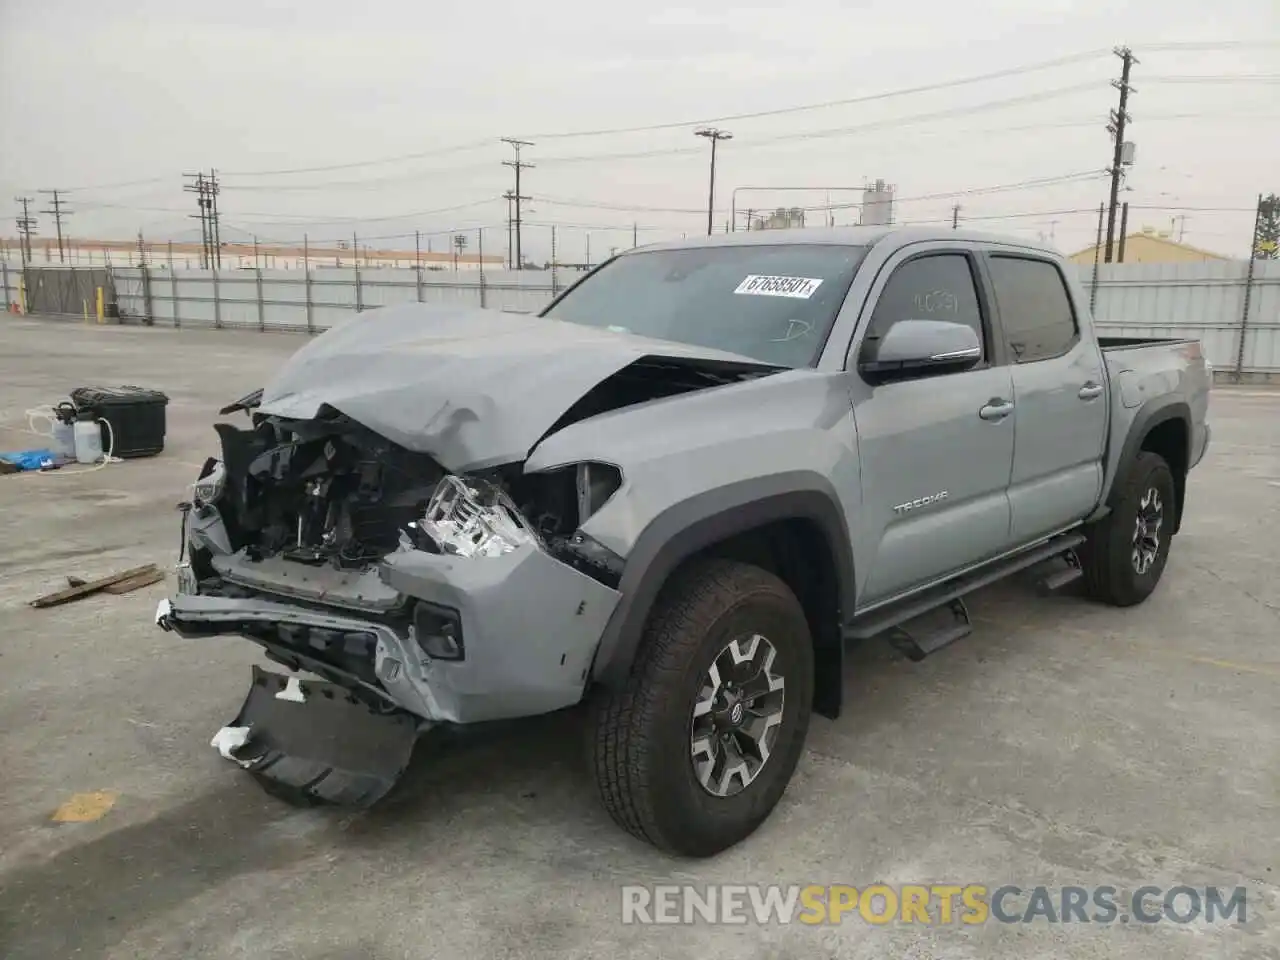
(1090, 391)
(996, 409)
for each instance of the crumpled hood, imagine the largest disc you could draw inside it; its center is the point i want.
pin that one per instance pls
(473, 388)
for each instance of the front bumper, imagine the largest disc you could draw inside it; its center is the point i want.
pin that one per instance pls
(530, 628)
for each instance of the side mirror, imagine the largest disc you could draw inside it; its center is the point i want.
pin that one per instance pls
(920, 348)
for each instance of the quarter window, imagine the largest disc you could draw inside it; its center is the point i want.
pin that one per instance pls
(1035, 308)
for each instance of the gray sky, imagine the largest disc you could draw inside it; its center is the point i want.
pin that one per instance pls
(93, 95)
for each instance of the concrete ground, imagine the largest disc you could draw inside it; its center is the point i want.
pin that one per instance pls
(1062, 743)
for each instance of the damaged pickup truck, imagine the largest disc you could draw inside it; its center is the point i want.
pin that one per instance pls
(675, 495)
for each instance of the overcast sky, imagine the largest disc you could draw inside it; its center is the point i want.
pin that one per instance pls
(94, 95)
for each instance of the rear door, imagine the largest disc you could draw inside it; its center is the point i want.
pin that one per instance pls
(1059, 388)
(934, 453)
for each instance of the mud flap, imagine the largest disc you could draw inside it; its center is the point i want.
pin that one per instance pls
(311, 742)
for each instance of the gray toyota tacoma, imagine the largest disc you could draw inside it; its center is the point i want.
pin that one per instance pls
(673, 497)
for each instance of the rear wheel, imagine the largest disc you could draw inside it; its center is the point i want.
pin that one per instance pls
(697, 750)
(1126, 551)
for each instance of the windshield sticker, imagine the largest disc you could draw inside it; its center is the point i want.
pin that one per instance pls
(800, 288)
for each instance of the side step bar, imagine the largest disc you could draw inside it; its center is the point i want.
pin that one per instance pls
(894, 615)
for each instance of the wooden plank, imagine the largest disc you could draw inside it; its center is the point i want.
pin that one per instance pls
(93, 586)
(134, 583)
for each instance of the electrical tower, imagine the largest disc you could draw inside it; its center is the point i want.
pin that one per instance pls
(26, 229)
(517, 198)
(206, 190)
(1122, 153)
(58, 212)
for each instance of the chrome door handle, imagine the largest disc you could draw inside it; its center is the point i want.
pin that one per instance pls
(1090, 391)
(996, 409)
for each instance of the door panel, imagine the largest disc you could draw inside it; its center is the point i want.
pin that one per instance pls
(1058, 387)
(920, 439)
(1058, 438)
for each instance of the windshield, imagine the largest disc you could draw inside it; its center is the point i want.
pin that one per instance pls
(772, 303)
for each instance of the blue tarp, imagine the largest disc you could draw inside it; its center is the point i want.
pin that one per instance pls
(30, 459)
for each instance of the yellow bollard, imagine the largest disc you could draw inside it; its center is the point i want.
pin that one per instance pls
(100, 314)
(85, 305)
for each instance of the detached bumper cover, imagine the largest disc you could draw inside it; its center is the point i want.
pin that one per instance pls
(530, 628)
(320, 744)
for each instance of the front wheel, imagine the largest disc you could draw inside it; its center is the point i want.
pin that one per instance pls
(696, 751)
(1126, 551)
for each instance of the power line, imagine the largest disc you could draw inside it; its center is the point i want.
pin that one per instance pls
(58, 212)
(748, 144)
(844, 102)
(422, 154)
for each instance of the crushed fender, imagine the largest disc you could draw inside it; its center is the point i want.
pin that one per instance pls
(309, 742)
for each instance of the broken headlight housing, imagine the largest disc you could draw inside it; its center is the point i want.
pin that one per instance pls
(213, 480)
(595, 484)
(472, 518)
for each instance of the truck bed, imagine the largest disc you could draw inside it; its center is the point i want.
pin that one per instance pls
(1120, 343)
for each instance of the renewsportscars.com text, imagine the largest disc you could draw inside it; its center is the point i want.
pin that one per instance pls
(929, 904)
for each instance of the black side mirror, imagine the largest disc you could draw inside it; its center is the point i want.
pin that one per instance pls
(920, 348)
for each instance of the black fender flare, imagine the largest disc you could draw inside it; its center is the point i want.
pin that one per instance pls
(1150, 415)
(689, 526)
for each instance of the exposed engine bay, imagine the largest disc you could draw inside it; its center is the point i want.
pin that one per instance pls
(331, 493)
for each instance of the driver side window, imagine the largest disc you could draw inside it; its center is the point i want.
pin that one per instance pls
(935, 287)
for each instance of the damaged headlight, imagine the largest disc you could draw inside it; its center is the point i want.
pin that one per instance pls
(212, 482)
(470, 518)
(595, 483)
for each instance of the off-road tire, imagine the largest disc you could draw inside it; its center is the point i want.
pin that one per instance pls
(640, 736)
(1107, 555)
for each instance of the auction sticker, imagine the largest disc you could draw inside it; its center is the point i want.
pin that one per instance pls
(801, 288)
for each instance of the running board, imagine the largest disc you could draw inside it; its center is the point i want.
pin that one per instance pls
(877, 621)
(917, 646)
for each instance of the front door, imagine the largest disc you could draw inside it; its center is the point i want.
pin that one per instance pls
(1059, 390)
(935, 453)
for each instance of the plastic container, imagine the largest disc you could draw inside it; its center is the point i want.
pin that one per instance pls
(64, 431)
(88, 439)
(135, 418)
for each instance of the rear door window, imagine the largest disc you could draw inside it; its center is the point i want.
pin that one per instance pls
(1035, 308)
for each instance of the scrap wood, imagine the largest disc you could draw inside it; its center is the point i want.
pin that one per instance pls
(134, 583)
(93, 586)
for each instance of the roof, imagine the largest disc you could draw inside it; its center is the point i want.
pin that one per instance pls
(845, 236)
(1142, 236)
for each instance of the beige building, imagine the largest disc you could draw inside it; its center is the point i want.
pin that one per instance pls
(1148, 246)
(239, 256)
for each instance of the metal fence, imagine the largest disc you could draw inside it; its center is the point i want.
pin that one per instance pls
(1232, 310)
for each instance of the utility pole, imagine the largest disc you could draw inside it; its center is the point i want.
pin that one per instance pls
(459, 244)
(142, 250)
(715, 135)
(214, 229)
(26, 229)
(1119, 120)
(58, 212)
(200, 187)
(1124, 230)
(635, 235)
(511, 263)
(955, 217)
(518, 198)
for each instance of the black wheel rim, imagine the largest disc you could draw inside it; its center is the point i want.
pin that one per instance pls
(737, 715)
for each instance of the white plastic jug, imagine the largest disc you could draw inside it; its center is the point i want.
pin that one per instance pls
(64, 439)
(88, 441)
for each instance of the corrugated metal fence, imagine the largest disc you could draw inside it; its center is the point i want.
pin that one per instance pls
(1204, 301)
